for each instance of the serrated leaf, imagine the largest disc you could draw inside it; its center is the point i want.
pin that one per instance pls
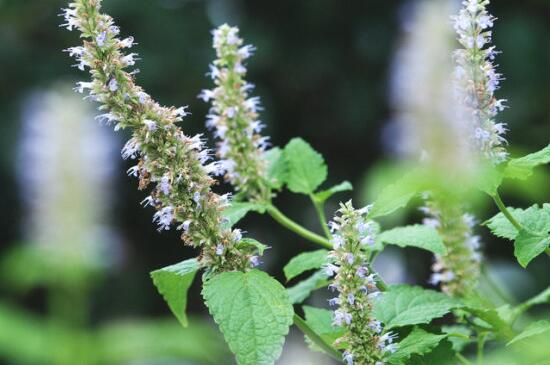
(253, 312)
(417, 235)
(521, 168)
(397, 195)
(533, 329)
(299, 292)
(322, 196)
(320, 321)
(304, 262)
(417, 342)
(172, 283)
(276, 167)
(306, 167)
(527, 246)
(534, 218)
(238, 210)
(404, 305)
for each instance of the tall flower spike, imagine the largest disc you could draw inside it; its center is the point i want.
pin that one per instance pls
(234, 116)
(441, 128)
(365, 341)
(476, 80)
(177, 165)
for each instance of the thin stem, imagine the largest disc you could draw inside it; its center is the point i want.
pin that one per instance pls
(461, 359)
(506, 212)
(308, 331)
(480, 346)
(283, 220)
(319, 208)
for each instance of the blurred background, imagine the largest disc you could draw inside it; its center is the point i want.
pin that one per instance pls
(72, 226)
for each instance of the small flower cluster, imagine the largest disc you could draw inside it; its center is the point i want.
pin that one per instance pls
(476, 80)
(458, 270)
(365, 341)
(179, 166)
(234, 116)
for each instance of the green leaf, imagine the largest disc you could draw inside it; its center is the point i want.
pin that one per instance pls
(306, 167)
(443, 354)
(172, 282)
(541, 298)
(417, 235)
(417, 342)
(251, 245)
(254, 314)
(299, 292)
(238, 210)
(458, 342)
(320, 321)
(276, 167)
(405, 305)
(527, 246)
(304, 262)
(521, 168)
(322, 196)
(533, 329)
(489, 180)
(534, 219)
(397, 195)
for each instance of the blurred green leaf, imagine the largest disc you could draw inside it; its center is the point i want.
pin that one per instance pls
(320, 321)
(304, 262)
(417, 235)
(521, 168)
(299, 292)
(276, 167)
(533, 329)
(306, 167)
(322, 196)
(172, 282)
(254, 314)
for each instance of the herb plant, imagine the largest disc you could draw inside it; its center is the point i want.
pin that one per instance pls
(455, 148)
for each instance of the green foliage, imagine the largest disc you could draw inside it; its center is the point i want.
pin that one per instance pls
(458, 342)
(443, 354)
(299, 292)
(521, 168)
(253, 311)
(304, 262)
(320, 321)
(541, 298)
(534, 329)
(530, 242)
(306, 167)
(417, 342)
(238, 210)
(322, 196)
(417, 235)
(172, 282)
(404, 305)
(276, 167)
(527, 246)
(397, 195)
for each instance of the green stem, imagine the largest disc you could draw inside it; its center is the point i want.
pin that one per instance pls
(318, 340)
(319, 208)
(506, 212)
(480, 346)
(461, 359)
(283, 220)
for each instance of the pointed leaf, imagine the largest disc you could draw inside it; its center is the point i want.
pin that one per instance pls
(533, 329)
(521, 168)
(397, 195)
(322, 196)
(417, 235)
(405, 305)
(254, 314)
(304, 262)
(417, 342)
(534, 218)
(276, 167)
(306, 167)
(172, 282)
